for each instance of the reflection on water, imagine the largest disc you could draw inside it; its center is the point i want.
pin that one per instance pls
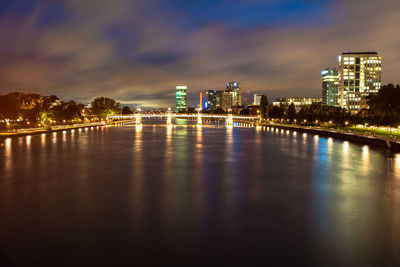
(190, 193)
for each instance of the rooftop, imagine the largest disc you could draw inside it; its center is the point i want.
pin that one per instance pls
(362, 53)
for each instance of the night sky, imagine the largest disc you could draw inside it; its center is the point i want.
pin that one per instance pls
(138, 51)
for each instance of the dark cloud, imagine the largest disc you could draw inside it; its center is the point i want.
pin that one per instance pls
(137, 51)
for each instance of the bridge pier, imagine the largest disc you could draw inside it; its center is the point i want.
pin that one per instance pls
(229, 120)
(169, 119)
(138, 119)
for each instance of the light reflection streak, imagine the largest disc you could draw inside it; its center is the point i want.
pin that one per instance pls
(43, 139)
(365, 158)
(28, 140)
(397, 165)
(346, 148)
(8, 159)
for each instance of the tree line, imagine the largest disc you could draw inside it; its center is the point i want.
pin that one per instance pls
(383, 110)
(22, 110)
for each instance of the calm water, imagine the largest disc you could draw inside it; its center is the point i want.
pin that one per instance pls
(204, 196)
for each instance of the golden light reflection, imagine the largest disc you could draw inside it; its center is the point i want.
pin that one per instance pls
(330, 143)
(316, 140)
(397, 166)
(365, 158)
(346, 148)
(43, 139)
(294, 133)
(28, 140)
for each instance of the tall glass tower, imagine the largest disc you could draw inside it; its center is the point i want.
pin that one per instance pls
(234, 88)
(181, 98)
(330, 87)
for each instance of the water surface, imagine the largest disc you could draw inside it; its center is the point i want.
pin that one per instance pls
(206, 195)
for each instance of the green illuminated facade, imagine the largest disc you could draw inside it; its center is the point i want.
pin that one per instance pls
(330, 87)
(181, 98)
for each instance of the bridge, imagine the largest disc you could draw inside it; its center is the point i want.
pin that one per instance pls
(229, 118)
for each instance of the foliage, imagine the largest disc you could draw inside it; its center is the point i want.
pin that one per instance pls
(263, 106)
(191, 110)
(384, 106)
(276, 112)
(104, 106)
(126, 110)
(291, 114)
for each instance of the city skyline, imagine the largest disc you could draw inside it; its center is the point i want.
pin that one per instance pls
(127, 50)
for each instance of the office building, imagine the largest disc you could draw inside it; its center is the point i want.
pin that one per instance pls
(236, 93)
(330, 87)
(257, 99)
(214, 98)
(359, 76)
(181, 98)
(226, 100)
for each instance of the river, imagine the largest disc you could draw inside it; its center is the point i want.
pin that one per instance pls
(190, 195)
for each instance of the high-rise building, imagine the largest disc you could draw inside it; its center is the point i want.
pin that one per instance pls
(359, 76)
(330, 87)
(181, 98)
(214, 98)
(226, 101)
(234, 87)
(257, 99)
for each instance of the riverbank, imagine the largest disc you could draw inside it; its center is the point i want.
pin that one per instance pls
(59, 128)
(348, 136)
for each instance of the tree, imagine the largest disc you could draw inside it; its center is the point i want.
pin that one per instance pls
(276, 112)
(384, 106)
(104, 106)
(291, 112)
(191, 110)
(126, 110)
(263, 106)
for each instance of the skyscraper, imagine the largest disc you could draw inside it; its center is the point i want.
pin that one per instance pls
(214, 98)
(359, 75)
(181, 97)
(234, 87)
(330, 87)
(226, 101)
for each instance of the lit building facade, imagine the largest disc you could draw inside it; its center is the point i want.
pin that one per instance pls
(257, 99)
(181, 98)
(214, 98)
(236, 93)
(330, 87)
(359, 75)
(226, 100)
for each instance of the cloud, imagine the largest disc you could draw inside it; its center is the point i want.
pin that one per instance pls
(137, 51)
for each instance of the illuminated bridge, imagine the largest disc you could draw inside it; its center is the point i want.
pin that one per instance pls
(228, 118)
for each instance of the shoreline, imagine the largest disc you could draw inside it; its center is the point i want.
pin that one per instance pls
(351, 137)
(43, 131)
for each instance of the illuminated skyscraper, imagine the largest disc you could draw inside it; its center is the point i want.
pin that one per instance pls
(181, 98)
(234, 87)
(330, 87)
(226, 100)
(359, 75)
(214, 98)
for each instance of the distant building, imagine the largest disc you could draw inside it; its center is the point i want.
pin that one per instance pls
(330, 87)
(214, 98)
(227, 99)
(359, 75)
(297, 101)
(234, 88)
(257, 99)
(181, 98)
